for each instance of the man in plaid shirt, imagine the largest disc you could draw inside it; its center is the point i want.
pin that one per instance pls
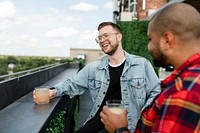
(174, 39)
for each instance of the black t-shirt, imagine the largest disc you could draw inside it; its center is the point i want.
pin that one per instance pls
(114, 88)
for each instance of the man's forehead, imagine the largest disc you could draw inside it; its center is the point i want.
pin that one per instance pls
(149, 30)
(106, 27)
(100, 34)
(105, 30)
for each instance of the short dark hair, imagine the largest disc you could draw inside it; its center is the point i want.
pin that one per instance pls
(115, 26)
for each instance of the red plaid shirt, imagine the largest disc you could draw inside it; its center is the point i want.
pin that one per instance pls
(177, 108)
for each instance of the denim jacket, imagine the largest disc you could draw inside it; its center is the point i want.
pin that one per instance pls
(139, 85)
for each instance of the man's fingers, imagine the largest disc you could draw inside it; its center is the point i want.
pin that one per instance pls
(34, 97)
(102, 120)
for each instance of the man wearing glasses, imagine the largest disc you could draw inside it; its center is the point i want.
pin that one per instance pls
(174, 40)
(118, 75)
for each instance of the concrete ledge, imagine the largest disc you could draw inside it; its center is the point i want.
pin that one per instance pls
(13, 89)
(24, 116)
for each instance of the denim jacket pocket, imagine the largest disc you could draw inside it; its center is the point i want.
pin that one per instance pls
(94, 87)
(94, 84)
(138, 89)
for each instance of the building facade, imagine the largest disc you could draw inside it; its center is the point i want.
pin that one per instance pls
(87, 54)
(130, 10)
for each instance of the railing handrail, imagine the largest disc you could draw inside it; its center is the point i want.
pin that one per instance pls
(28, 71)
(16, 97)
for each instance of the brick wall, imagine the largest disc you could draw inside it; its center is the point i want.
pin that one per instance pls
(150, 5)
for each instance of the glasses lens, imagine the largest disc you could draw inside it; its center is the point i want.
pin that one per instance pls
(104, 36)
(97, 39)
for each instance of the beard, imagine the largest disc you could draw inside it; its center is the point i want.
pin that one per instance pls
(159, 59)
(112, 49)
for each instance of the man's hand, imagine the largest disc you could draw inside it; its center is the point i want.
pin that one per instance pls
(52, 94)
(113, 121)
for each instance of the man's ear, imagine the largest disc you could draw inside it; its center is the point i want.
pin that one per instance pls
(168, 39)
(119, 36)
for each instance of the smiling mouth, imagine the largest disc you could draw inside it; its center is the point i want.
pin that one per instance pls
(105, 45)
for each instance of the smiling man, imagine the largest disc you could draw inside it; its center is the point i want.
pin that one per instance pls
(119, 75)
(174, 40)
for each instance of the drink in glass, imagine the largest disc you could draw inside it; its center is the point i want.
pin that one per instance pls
(115, 106)
(42, 95)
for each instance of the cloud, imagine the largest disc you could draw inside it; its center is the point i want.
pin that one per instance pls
(26, 40)
(62, 32)
(70, 18)
(56, 44)
(89, 35)
(7, 9)
(10, 23)
(108, 5)
(53, 10)
(62, 16)
(21, 20)
(19, 41)
(5, 39)
(5, 24)
(85, 7)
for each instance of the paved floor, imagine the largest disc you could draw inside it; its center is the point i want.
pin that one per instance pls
(85, 108)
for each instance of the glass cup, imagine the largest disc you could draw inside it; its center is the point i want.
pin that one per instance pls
(115, 106)
(42, 94)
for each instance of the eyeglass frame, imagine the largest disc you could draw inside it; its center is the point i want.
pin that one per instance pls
(104, 36)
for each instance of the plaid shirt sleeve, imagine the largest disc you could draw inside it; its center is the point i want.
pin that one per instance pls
(178, 113)
(176, 109)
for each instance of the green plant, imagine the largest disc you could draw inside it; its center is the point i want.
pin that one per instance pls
(77, 107)
(135, 38)
(57, 124)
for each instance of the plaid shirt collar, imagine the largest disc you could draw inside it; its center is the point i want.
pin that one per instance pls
(192, 60)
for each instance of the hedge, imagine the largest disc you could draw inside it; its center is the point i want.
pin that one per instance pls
(135, 39)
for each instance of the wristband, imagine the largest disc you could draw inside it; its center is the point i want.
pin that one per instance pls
(54, 91)
(51, 88)
(120, 130)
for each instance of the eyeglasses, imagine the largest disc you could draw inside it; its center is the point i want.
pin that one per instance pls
(104, 36)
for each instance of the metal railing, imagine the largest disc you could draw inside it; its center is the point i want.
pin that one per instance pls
(20, 87)
(12, 89)
(13, 75)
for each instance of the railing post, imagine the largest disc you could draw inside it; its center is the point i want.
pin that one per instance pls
(69, 106)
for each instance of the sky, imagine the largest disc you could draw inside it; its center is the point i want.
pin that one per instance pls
(50, 27)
